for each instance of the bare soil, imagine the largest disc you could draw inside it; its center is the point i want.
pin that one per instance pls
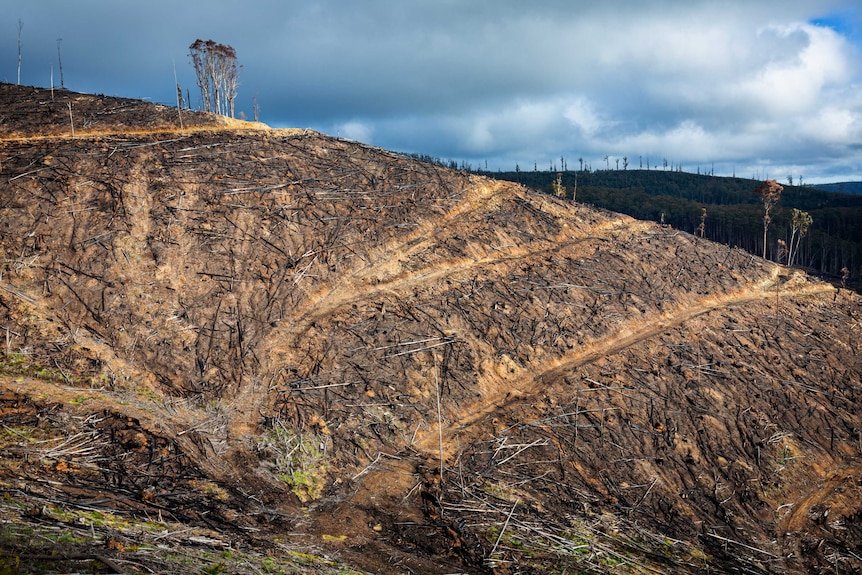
(262, 350)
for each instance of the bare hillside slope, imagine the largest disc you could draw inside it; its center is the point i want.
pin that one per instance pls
(279, 345)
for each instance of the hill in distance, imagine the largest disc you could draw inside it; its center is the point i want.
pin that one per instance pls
(842, 187)
(235, 349)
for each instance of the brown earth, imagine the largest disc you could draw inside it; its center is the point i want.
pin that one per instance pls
(263, 350)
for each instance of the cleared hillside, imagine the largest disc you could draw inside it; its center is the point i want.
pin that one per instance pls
(727, 208)
(260, 345)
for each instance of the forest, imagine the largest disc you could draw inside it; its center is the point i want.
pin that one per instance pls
(734, 214)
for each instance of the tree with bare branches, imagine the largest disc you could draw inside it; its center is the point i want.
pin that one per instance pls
(799, 224)
(769, 192)
(217, 75)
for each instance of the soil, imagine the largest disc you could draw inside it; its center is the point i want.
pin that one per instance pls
(250, 345)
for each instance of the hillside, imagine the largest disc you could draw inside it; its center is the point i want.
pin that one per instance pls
(842, 187)
(734, 215)
(234, 349)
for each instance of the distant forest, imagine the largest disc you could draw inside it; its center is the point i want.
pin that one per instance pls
(734, 213)
(842, 187)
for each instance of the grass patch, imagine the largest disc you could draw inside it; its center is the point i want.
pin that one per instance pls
(21, 364)
(298, 459)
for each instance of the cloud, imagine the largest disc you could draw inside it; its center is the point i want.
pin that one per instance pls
(833, 126)
(582, 115)
(730, 81)
(359, 131)
(795, 79)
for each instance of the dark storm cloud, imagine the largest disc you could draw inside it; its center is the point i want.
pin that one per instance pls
(767, 85)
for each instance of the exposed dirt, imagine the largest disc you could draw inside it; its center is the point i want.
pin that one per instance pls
(37, 114)
(297, 346)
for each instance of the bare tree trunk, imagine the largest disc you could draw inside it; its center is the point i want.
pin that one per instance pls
(60, 63)
(575, 189)
(791, 251)
(20, 26)
(770, 193)
(179, 97)
(71, 120)
(213, 85)
(216, 70)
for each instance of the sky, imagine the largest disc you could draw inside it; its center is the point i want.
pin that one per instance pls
(752, 88)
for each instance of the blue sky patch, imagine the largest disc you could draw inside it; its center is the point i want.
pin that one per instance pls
(847, 22)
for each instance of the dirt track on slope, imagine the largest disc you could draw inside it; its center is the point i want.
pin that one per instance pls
(627, 336)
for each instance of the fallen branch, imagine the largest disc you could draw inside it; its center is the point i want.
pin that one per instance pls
(327, 386)
(70, 557)
(538, 442)
(540, 421)
(409, 351)
(503, 530)
(749, 547)
(414, 342)
(372, 464)
(16, 293)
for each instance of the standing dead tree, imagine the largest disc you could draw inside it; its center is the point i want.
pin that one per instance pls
(179, 97)
(217, 75)
(60, 64)
(20, 27)
(799, 224)
(769, 192)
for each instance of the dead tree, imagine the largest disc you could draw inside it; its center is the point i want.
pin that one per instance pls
(179, 97)
(217, 75)
(200, 54)
(60, 64)
(230, 73)
(20, 27)
(770, 193)
(799, 224)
